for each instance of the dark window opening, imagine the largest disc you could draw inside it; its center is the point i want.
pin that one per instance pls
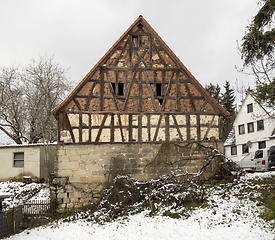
(18, 159)
(250, 127)
(245, 148)
(160, 101)
(135, 41)
(241, 129)
(260, 125)
(120, 89)
(249, 107)
(158, 89)
(261, 145)
(234, 150)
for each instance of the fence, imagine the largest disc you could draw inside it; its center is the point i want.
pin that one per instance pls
(10, 221)
(38, 207)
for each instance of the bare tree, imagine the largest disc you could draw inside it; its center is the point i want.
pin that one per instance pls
(45, 87)
(12, 103)
(27, 98)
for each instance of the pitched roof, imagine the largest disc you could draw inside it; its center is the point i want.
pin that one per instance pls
(140, 19)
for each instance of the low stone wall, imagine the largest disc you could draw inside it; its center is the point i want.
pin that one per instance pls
(82, 171)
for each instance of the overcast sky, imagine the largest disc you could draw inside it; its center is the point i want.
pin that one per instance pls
(203, 34)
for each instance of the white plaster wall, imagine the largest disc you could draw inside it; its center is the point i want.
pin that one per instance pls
(31, 162)
(244, 117)
(96, 120)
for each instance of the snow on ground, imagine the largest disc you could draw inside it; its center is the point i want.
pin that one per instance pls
(229, 214)
(22, 192)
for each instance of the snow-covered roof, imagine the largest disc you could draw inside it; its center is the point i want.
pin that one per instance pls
(230, 138)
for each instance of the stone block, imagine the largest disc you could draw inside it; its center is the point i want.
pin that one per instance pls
(61, 195)
(69, 189)
(80, 173)
(75, 157)
(70, 205)
(94, 179)
(68, 165)
(65, 173)
(74, 179)
(59, 181)
(66, 200)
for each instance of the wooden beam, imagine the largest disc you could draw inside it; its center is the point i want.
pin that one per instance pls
(139, 128)
(203, 105)
(90, 128)
(129, 91)
(112, 129)
(198, 128)
(190, 97)
(140, 58)
(188, 130)
(101, 94)
(77, 104)
(209, 127)
(130, 127)
(139, 92)
(80, 127)
(177, 92)
(70, 128)
(157, 128)
(148, 127)
(122, 51)
(120, 126)
(150, 91)
(101, 127)
(167, 91)
(89, 97)
(167, 133)
(161, 58)
(112, 90)
(177, 126)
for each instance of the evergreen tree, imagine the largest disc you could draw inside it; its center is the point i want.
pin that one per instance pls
(214, 91)
(257, 51)
(228, 103)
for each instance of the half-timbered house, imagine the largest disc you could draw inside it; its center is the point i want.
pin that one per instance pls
(136, 110)
(139, 92)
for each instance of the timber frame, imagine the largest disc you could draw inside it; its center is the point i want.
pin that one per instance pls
(139, 92)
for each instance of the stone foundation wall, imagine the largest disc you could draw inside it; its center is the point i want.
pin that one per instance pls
(82, 171)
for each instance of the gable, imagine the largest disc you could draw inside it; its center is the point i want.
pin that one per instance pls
(140, 74)
(257, 113)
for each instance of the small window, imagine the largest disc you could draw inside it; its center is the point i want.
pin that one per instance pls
(250, 108)
(135, 41)
(234, 150)
(250, 127)
(261, 145)
(18, 159)
(158, 89)
(245, 148)
(260, 125)
(120, 89)
(241, 129)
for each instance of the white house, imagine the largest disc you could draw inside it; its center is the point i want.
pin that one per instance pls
(253, 129)
(26, 160)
